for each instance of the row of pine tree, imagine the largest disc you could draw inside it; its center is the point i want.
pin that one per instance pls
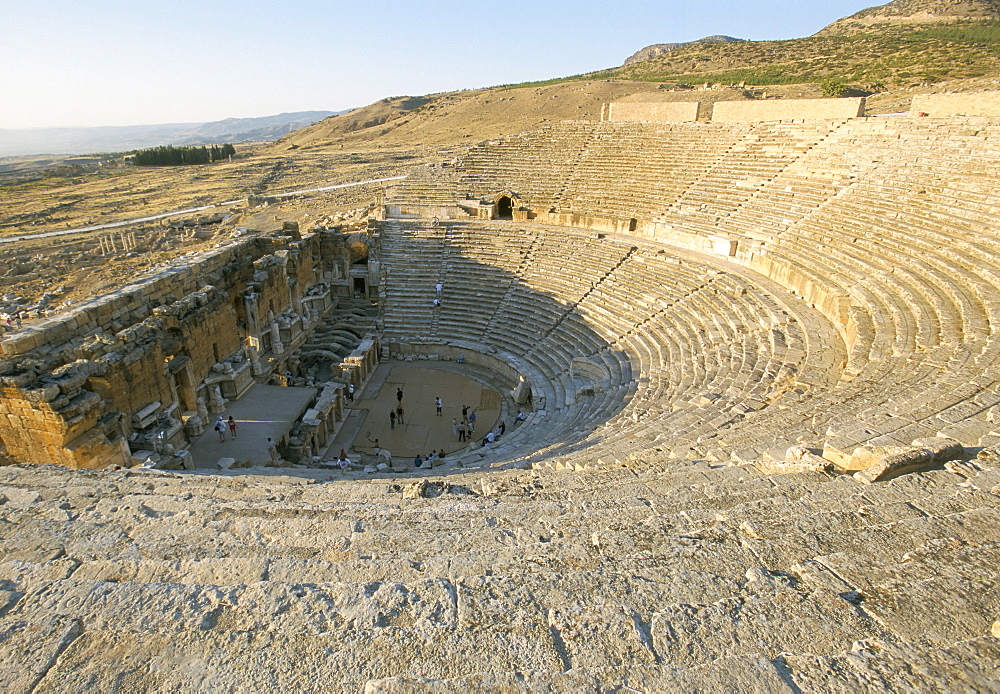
(180, 156)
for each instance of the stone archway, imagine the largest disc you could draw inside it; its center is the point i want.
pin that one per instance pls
(358, 252)
(504, 208)
(179, 366)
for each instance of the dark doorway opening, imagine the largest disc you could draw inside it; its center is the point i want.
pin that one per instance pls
(505, 208)
(633, 224)
(359, 286)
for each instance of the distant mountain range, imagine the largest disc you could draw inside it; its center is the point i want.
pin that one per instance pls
(128, 137)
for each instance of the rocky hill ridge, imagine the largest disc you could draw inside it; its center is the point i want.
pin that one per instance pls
(908, 12)
(661, 48)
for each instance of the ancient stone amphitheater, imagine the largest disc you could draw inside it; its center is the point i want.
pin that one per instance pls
(762, 453)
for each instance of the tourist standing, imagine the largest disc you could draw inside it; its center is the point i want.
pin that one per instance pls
(272, 450)
(438, 289)
(472, 422)
(437, 405)
(350, 392)
(399, 395)
(461, 430)
(399, 414)
(392, 419)
(232, 426)
(220, 428)
(454, 427)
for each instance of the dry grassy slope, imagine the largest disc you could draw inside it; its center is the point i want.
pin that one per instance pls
(457, 118)
(909, 12)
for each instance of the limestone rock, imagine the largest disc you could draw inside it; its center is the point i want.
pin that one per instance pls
(797, 459)
(923, 454)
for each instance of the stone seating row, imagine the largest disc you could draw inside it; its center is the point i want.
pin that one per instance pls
(810, 204)
(785, 552)
(563, 344)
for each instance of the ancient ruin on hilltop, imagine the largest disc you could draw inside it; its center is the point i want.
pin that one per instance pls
(747, 370)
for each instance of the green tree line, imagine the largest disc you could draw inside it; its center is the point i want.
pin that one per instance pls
(181, 156)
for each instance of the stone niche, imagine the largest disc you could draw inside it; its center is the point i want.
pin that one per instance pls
(143, 366)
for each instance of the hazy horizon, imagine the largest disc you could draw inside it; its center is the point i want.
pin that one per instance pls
(112, 63)
(177, 123)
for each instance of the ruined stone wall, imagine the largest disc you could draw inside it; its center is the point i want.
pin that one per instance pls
(787, 109)
(968, 104)
(154, 355)
(652, 111)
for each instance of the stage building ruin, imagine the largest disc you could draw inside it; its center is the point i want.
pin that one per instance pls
(147, 367)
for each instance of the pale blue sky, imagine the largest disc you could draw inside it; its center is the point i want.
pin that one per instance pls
(118, 62)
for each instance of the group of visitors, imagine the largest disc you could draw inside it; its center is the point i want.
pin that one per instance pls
(221, 427)
(418, 460)
(396, 415)
(466, 427)
(493, 435)
(8, 322)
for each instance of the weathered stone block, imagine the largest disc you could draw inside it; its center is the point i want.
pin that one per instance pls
(924, 454)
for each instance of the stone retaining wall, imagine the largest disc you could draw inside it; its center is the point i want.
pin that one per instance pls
(653, 111)
(787, 109)
(171, 346)
(968, 104)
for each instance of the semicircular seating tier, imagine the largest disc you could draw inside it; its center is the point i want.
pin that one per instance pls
(830, 284)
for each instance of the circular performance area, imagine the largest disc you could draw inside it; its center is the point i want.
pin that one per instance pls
(421, 431)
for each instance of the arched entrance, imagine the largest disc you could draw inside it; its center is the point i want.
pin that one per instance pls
(505, 208)
(359, 252)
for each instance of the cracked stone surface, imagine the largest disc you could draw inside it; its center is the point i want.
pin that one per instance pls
(704, 577)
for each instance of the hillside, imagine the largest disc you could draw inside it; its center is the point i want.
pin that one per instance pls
(661, 48)
(961, 52)
(897, 57)
(463, 118)
(914, 12)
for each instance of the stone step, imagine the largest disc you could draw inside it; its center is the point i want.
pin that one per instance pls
(726, 674)
(875, 665)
